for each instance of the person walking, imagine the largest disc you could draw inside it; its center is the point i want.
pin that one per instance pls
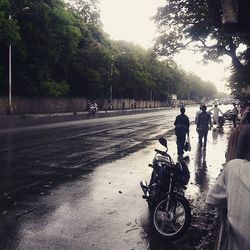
(181, 130)
(197, 114)
(237, 143)
(216, 111)
(204, 123)
(234, 114)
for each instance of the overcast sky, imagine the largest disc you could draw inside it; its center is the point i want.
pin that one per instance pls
(129, 20)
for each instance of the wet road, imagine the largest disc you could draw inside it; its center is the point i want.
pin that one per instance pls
(75, 185)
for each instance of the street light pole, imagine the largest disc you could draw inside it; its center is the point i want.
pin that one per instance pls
(10, 107)
(111, 94)
(111, 75)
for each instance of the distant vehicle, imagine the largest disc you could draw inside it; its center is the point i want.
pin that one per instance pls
(93, 108)
(221, 122)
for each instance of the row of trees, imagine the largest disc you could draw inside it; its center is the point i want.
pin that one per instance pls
(60, 49)
(183, 23)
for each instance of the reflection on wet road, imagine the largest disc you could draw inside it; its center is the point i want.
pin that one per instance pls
(30, 156)
(98, 203)
(201, 169)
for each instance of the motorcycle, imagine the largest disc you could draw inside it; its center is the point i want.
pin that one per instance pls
(221, 121)
(169, 209)
(228, 115)
(92, 108)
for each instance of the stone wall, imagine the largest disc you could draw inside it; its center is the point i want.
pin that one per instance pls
(29, 105)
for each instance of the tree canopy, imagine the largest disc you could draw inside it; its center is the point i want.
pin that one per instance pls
(198, 22)
(60, 49)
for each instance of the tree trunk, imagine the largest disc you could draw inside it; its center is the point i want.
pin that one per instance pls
(235, 61)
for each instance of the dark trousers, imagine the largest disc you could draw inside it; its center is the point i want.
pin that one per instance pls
(234, 119)
(202, 133)
(180, 144)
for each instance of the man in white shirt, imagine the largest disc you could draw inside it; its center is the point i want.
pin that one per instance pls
(216, 113)
(232, 191)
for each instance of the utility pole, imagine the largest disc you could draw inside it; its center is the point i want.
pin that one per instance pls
(10, 107)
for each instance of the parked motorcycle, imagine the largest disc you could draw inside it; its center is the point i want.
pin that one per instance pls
(228, 115)
(170, 210)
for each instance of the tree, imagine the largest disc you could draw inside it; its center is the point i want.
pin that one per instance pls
(61, 50)
(185, 22)
(9, 32)
(49, 38)
(88, 10)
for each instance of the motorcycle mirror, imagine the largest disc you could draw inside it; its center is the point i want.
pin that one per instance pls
(163, 142)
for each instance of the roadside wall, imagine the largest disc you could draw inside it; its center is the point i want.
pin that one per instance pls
(24, 105)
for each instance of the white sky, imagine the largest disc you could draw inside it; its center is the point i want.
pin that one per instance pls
(129, 20)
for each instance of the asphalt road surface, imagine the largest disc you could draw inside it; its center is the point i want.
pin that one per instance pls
(75, 184)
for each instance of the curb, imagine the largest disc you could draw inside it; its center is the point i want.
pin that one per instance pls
(42, 115)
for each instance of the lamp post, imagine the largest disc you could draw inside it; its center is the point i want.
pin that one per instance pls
(10, 107)
(111, 74)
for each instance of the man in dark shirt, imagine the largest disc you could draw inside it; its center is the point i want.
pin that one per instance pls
(204, 123)
(181, 130)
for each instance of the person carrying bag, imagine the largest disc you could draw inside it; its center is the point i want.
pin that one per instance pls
(181, 130)
(187, 146)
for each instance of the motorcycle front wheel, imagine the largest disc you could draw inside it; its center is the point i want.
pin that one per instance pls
(172, 224)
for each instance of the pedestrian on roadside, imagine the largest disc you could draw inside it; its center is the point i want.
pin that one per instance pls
(233, 140)
(88, 104)
(243, 144)
(95, 106)
(197, 114)
(231, 191)
(216, 111)
(245, 109)
(234, 114)
(181, 130)
(232, 143)
(204, 123)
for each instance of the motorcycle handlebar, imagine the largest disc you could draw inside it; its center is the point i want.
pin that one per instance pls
(160, 152)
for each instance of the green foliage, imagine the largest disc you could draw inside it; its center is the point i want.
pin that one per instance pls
(54, 89)
(61, 50)
(198, 22)
(87, 9)
(9, 31)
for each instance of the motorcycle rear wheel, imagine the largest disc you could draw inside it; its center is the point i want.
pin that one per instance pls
(173, 224)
